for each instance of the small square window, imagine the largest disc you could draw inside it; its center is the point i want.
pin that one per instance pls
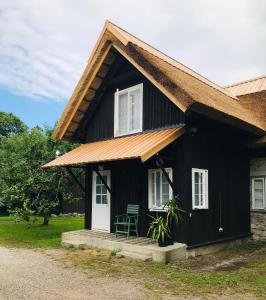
(200, 189)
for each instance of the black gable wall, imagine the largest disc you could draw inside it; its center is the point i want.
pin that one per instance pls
(158, 110)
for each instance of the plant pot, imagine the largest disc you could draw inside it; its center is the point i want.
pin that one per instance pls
(167, 242)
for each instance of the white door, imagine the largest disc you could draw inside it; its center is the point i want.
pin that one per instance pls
(101, 201)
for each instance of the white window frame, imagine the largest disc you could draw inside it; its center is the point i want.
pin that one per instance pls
(253, 193)
(205, 204)
(150, 172)
(116, 109)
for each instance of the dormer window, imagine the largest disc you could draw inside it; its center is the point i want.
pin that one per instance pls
(128, 110)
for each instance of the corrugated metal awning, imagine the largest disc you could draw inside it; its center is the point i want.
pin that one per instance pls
(142, 146)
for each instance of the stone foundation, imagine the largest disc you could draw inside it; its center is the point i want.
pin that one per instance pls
(258, 225)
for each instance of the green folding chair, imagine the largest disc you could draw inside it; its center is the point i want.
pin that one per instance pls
(127, 223)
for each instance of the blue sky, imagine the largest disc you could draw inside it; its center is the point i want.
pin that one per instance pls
(44, 45)
(42, 112)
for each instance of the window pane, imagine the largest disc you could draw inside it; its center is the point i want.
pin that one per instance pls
(98, 189)
(153, 188)
(198, 189)
(122, 113)
(158, 189)
(98, 199)
(196, 200)
(259, 204)
(98, 180)
(201, 199)
(104, 199)
(165, 189)
(165, 198)
(104, 190)
(196, 176)
(258, 193)
(258, 184)
(134, 109)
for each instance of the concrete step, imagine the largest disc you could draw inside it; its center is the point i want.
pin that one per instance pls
(135, 255)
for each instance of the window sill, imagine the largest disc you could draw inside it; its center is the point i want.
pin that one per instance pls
(158, 209)
(200, 208)
(128, 133)
(262, 211)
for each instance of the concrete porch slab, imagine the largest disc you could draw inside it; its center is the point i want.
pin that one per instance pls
(134, 247)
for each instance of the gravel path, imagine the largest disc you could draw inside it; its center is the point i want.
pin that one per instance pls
(28, 274)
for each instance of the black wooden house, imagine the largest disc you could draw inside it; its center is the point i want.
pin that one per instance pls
(140, 115)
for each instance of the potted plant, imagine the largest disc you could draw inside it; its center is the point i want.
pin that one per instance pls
(159, 230)
(161, 227)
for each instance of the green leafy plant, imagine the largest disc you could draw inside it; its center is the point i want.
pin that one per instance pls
(24, 214)
(158, 228)
(174, 212)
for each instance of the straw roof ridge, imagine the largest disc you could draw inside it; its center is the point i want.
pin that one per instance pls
(244, 81)
(175, 63)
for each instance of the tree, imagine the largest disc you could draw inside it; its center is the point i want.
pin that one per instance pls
(23, 184)
(10, 124)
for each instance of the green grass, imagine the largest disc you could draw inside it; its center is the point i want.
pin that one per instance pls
(37, 235)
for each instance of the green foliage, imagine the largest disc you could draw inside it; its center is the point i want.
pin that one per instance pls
(161, 227)
(174, 212)
(25, 214)
(23, 184)
(10, 124)
(158, 228)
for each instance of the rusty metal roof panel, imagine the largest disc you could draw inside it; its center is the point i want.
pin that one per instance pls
(142, 146)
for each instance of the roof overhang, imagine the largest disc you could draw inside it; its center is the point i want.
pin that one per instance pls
(140, 146)
(181, 85)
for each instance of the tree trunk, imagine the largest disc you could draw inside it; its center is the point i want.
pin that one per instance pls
(45, 220)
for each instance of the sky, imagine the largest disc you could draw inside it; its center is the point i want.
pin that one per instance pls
(44, 45)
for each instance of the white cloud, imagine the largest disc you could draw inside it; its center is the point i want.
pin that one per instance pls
(44, 45)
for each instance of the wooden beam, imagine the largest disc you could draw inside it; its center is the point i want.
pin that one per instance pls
(103, 181)
(100, 77)
(160, 165)
(92, 89)
(81, 111)
(75, 178)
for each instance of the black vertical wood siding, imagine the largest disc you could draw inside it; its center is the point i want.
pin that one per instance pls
(158, 110)
(221, 150)
(129, 185)
(215, 147)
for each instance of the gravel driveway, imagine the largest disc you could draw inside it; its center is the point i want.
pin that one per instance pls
(28, 274)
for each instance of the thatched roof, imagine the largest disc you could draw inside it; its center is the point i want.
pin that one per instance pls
(184, 87)
(251, 86)
(252, 95)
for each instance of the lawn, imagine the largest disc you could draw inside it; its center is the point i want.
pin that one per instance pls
(37, 235)
(238, 272)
